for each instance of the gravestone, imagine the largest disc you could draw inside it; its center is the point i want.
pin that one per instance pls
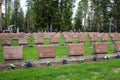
(6, 42)
(54, 40)
(76, 49)
(100, 48)
(104, 37)
(117, 46)
(13, 53)
(114, 37)
(68, 40)
(15, 37)
(23, 41)
(93, 39)
(46, 51)
(82, 38)
(39, 41)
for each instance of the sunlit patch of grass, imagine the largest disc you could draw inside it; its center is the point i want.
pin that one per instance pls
(1, 55)
(75, 41)
(14, 43)
(30, 53)
(61, 51)
(47, 42)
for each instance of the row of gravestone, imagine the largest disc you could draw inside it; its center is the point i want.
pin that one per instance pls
(70, 36)
(48, 51)
(6, 38)
(54, 37)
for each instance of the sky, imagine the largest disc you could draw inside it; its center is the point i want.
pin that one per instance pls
(23, 5)
(75, 8)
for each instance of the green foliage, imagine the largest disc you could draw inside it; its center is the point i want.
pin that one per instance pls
(51, 15)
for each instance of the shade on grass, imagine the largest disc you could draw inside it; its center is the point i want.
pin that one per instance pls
(108, 70)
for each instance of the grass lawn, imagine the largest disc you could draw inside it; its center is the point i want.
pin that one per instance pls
(108, 70)
(14, 43)
(47, 42)
(61, 51)
(1, 55)
(30, 54)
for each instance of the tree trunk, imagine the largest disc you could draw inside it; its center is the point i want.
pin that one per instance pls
(0, 15)
(50, 27)
(6, 13)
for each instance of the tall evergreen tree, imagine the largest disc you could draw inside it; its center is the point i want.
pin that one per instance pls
(53, 14)
(81, 15)
(30, 16)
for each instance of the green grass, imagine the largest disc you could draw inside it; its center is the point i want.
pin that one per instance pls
(75, 41)
(61, 40)
(31, 41)
(61, 51)
(30, 54)
(14, 43)
(99, 40)
(88, 49)
(109, 70)
(1, 55)
(87, 39)
(47, 42)
(0, 43)
(111, 48)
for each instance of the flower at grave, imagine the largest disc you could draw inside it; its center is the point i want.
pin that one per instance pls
(95, 58)
(65, 61)
(81, 60)
(62, 44)
(28, 64)
(107, 57)
(49, 63)
(118, 56)
(11, 67)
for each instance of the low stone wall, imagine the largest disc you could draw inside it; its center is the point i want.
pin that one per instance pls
(55, 62)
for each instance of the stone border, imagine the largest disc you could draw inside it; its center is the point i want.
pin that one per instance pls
(55, 62)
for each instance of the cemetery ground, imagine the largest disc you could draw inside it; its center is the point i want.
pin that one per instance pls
(30, 53)
(108, 70)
